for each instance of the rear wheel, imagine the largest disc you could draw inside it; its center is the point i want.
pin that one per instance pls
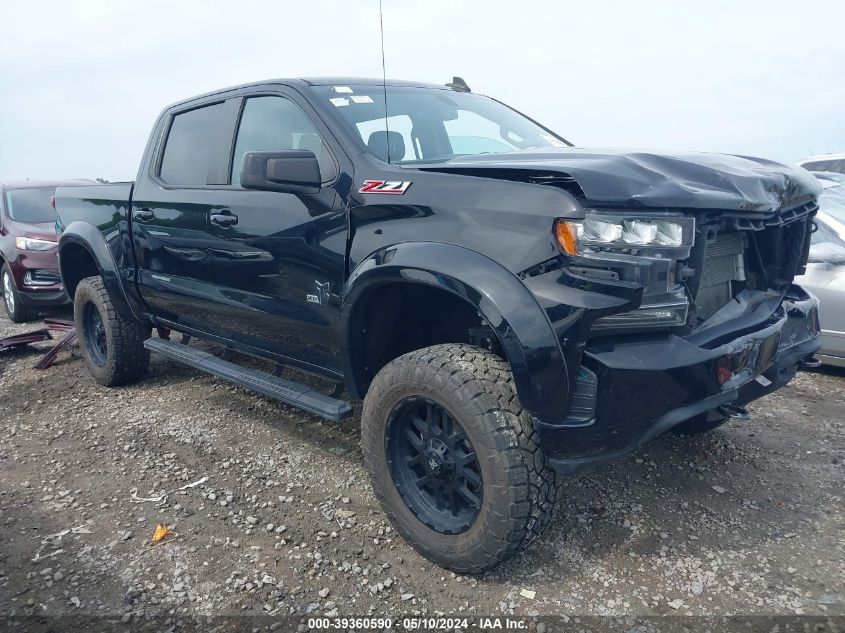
(454, 459)
(16, 310)
(112, 346)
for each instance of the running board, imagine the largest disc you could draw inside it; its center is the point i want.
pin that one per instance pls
(286, 391)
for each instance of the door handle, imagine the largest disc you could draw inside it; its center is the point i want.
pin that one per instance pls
(224, 219)
(143, 214)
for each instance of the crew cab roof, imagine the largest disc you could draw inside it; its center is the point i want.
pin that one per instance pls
(313, 81)
(365, 81)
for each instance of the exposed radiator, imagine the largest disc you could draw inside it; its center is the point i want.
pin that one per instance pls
(723, 260)
(723, 263)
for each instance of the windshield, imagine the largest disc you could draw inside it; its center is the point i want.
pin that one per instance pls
(837, 166)
(31, 206)
(826, 245)
(832, 198)
(433, 125)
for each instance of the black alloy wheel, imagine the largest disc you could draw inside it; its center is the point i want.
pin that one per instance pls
(433, 465)
(95, 334)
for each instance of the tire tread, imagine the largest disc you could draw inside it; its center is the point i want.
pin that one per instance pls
(481, 378)
(128, 359)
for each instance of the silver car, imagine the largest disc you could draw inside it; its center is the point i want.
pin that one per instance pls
(824, 163)
(825, 276)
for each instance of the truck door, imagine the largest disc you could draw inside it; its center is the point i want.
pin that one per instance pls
(173, 199)
(279, 261)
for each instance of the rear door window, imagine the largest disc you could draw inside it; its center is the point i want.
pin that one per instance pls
(191, 145)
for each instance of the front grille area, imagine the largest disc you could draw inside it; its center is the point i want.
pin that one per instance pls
(780, 218)
(723, 265)
(755, 254)
(39, 277)
(732, 254)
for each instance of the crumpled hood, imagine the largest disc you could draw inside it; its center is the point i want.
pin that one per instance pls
(631, 179)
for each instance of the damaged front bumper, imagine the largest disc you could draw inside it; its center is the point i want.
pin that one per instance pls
(633, 388)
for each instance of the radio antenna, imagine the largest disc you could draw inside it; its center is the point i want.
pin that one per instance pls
(384, 79)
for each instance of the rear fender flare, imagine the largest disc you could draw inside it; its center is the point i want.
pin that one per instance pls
(90, 238)
(502, 300)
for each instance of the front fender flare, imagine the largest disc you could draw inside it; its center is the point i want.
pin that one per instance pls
(91, 239)
(521, 325)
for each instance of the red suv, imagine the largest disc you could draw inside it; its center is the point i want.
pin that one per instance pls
(29, 267)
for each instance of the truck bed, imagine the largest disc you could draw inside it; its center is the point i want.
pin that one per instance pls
(104, 205)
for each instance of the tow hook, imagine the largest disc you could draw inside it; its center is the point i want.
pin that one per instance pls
(811, 362)
(735, 412)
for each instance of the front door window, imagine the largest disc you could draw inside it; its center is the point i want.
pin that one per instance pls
(271, 124)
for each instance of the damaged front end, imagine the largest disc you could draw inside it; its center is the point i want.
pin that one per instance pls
(692, 269)
(632, 388)
(670, 315)
(668, 285)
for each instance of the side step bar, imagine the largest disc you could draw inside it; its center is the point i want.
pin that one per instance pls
(286, 391)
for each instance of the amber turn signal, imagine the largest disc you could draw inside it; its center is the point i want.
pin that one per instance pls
(565, 234)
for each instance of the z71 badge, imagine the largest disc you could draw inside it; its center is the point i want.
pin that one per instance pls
(397, 187)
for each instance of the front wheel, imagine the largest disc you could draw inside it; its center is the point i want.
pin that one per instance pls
(454, 459)
(112, 346)
(16, 310)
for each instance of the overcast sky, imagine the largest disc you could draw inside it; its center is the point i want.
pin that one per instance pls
(82, 83)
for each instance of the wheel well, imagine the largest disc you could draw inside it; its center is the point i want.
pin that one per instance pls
(398, 318)
(76, 263)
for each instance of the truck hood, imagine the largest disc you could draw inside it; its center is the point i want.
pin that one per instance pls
(632, 179)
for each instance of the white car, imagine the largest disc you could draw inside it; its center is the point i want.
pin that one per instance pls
(825, 276)
(834, 163)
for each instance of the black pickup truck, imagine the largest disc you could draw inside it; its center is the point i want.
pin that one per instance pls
(510, 308)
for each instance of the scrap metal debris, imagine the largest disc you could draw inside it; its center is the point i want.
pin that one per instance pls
(62, 326)
(20, 340)
(194, 484)
(160, 499)
(37, 336)
(59, 324)
(50, 539)
(134, 498)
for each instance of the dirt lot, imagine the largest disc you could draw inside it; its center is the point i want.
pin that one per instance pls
(746, 520)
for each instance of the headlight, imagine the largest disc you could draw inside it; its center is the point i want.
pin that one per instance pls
(638, 232)
(639, 248)
(599, 231)
(31, 244)
(669, 233)
(618, 233)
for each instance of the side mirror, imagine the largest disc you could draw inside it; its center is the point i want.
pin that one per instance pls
(288, 171)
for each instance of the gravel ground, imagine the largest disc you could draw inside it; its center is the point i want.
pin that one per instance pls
(272, 512)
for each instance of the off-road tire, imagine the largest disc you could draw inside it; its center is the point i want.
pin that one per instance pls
(18, 313)
(519, 489)
(700, 424)
(125, 359)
